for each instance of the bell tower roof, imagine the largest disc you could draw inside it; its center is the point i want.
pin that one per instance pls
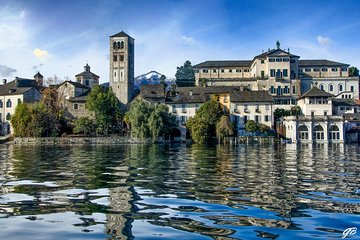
(121, 34)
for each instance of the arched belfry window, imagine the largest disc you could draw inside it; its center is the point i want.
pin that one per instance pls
(114, 45)
(118, 44)
(122, 45)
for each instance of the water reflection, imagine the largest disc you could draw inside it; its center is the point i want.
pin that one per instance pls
(197, 192)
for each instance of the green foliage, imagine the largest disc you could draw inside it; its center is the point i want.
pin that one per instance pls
(203, 82)
(203, 126)
(353, 72)
(35, 121)
(161, 121)
(251, 126)
(85, 125)
(295, 111)
(106, 108)
(148, 121)
(263, 128)
(185, 75)
(280, 112)
(224, 128)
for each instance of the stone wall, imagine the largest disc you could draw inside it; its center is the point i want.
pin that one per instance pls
(80, 140)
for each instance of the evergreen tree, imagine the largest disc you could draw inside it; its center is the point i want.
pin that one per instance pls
(185, 75)
(353, 72)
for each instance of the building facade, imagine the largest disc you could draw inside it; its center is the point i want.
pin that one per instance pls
(122, 66)
(20, 90)
(87, 78)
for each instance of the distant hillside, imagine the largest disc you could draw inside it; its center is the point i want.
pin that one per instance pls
(152, 77)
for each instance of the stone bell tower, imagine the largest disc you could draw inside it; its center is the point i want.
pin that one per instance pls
(122, 66)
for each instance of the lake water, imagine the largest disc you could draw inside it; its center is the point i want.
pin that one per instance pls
(173, 192)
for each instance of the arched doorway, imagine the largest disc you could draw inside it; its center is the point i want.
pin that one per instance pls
(334, 133)
(303, 132)
(318, 132)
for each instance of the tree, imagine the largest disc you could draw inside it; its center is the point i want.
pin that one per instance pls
(185, 75)
(353, 72)
(162, 79)
(263, 127)
(85, 125)
(251, 126)
(203, 82)
(280, 112)
(161, 121)
(224, 128)
(205, 120)
(295, 111)
(35, 121)
(105, 107)
(21, 119)
(148, 121)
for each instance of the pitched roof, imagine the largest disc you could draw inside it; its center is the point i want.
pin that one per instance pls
(227, 63)
(315, 92)
(121, 34)
(320, 63)
(80, 98)
(85, 73)
(275, 52)
(75, 84)
(344, 102)
(152, 91)
(38, 75)
(18, 86)
(251, 96)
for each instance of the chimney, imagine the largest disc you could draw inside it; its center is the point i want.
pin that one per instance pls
(4, 81)
(190, 93)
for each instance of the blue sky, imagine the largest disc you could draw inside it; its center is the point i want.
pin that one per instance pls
(60, 37)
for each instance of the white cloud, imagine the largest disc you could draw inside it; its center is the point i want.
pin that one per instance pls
(187, 40)
(39, 53)
(324, 41)
(6, 71)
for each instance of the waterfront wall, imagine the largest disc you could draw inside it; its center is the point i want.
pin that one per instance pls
(80, 140)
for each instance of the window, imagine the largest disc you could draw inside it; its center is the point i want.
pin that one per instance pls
(246, 70)
(1, 104)
(322, 87)
(331, 88)
(238, 70)
(114, 74)
(222, 70)
(285, 72)
(87, 82)
(272, 89)
(272, 72)
(121, 58)
(301, 69)
(278, 59)
(8, 103)
(325, 113)
(267, 118)
(114, 58)
(8, 116)
(214, 70)
(279, 91)
(19, 100)
(262, 74)
(286, 89)
(344, 69)
(342, 108)
(257, 119)
(262, 61)
(294, 89)
(334, 69)
(324, 69)
(285, 60)
(318, 132)
(205, 71)
(271, 60)
(316, 69)
(340, 87)
(351, 88)
(303, 132)
(307, 69)
(334, 132)
(267, 107)
(76, 106)
(230, 70)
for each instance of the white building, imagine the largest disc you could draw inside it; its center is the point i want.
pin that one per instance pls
(20, 90)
